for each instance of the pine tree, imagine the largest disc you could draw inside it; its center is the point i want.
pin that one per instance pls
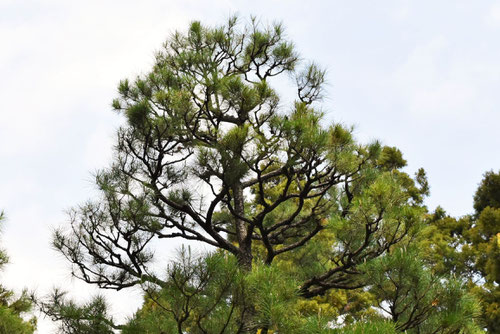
(13, 308)
(211, 153)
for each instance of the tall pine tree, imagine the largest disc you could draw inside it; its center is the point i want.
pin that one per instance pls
(293, 207)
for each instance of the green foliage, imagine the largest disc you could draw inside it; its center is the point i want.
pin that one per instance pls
(444, 236)
(205, 295)
(13, 309)
(11, 313)
(375, 327)
(488, 192)
(89, 318)
(138, 113)
(392, 158)
(199, 297)
(485, 236)
(274, 295)
(489, 295)
(417, 300)
(468, 247)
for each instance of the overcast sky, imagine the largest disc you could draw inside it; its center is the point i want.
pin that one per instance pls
(420, 75)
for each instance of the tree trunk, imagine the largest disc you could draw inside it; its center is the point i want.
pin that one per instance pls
(244, 242)
(244, 257)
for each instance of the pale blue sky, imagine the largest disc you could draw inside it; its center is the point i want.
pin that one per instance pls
(420, 75)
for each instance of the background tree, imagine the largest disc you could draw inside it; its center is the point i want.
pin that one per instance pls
(488, 192)
(13, 308)
(483, 245)
(210, 153)
(468, 247)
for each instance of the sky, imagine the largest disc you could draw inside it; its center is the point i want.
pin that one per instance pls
(420, 75)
